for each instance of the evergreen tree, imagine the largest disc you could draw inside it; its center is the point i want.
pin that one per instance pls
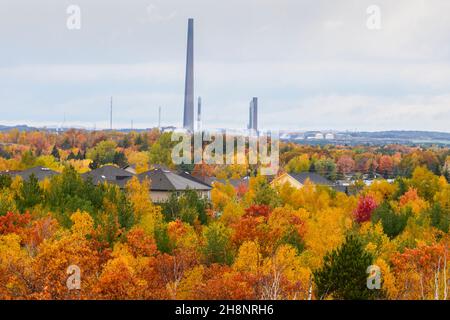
(5, 181)
(138, 141)
(71, 156)
(402, 188)
(28, 159)
(30, 194)
(343, 274)
(120, 159)
(55, 153)
(162, 239)
(186, 167)
(67, 194)
(217, 248)
(439, 218)
(393, 223)
(79, 155)
(66, 144)
(187, 207)
(266, 195)
(95, 164)
(447, 175)
(4, 154)
(125, 142)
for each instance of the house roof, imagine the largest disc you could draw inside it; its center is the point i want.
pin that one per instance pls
(166, 180)
(41, 173)
(187, 175)
(311, 176)
(109, 174)
(130, 168)
(9, 172)
(234, 182)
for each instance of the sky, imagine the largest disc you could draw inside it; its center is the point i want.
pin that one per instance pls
(314, 65)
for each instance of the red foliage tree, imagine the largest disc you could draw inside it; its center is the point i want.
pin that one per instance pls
(220, 282)
(257, 211)
(241, 190)
(14, 223)
(140, 244)
(386, 165)
(365, 208)
(345, 164)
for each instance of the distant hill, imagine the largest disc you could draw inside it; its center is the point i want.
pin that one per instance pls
(19, 127)
(375, 138)
(402, 135)
(54, 129)
(346, 137)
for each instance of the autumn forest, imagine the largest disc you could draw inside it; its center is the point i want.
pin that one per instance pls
(252, 240)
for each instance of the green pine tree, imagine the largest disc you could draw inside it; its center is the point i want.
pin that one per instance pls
(55, 153)
(343, 274)
(30, 194)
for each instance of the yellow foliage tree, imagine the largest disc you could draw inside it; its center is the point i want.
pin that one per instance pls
(83, 224)
(145, 212)
(325, 231)
(139, 159)
(286, 277)
(221, 195)
(15, 268)
(249, 258)
(232, 212)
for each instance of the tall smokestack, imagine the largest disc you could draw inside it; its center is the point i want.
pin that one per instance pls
(199, 114)
(188, 120)
(253, 116)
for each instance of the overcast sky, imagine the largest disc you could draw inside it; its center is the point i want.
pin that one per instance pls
(313, 64)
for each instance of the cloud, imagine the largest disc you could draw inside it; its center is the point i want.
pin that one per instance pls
(155, 15)
(92, 73)
(371, 113)
(311, 63)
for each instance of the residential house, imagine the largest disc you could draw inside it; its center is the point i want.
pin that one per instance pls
(41, 173)
(298, 180)
(164, 182)
(236, 183)
(109, 174)
(131, 168)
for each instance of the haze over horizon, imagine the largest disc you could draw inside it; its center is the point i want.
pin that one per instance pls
(312, 64)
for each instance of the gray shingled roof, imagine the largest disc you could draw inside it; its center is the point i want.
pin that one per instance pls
(234, 182)
(165, 180)
(109, 174)
(313, 177)
(189, 176)
(41, 173)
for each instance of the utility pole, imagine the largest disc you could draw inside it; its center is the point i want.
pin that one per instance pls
(111, 115)
(159, 118)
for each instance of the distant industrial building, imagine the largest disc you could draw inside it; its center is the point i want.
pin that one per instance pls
(253, 116)
(319, 136)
